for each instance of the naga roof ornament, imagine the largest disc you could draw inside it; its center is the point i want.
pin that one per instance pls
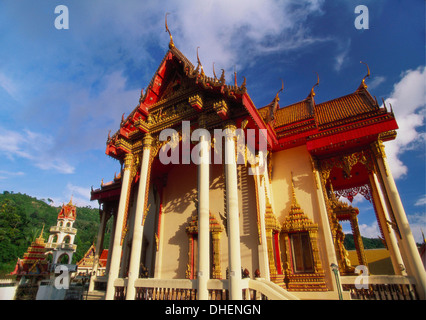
(274, 104)
(312, 94)
(171, 44)
(363, 85)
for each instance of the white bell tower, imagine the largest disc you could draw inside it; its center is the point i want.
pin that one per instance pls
(61, 239)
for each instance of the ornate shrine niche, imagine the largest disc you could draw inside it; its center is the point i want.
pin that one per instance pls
(302, 265)
(215, 232)
(346, 176)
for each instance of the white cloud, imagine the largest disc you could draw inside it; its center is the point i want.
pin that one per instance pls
(421, 201)
(8, 174)
(34, 147)
(344, 49)
(233, 33)
(375, 82)
(8, 85)
(408, 100)
(366, 230)
(80, 195)
(370, 231)
(85, 91)
(417, 223)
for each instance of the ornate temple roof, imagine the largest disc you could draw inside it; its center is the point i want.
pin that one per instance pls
(346, 108)
(68, 211)
(179, 88)
(34, 261)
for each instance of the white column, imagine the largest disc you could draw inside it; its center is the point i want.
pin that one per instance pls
(98, 250)
(135, 255)
(111, 242)
(263, 247)
(407, 240)
(389, 234)
(234, 254)
(203, 216)
(116, 248)
(327, 234)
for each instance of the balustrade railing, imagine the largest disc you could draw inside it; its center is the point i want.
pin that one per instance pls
(184, 289)
(62, 245)
(54, 229)
(380, 287)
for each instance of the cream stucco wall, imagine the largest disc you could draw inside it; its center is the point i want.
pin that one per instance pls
(178, 208)
(296, 161)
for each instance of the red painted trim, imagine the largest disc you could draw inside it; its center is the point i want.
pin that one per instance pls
(351, 135)
(277, 255)
(248, 104)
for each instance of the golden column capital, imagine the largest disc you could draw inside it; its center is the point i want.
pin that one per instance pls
(128, 159)
(230, 125)
(147, 141)
(378, 149)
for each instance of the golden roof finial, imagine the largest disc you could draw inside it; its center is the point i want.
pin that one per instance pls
(312, 94)
(282, 88)
(214, 73)
(171, 44)
(366, 76)
(199, 64)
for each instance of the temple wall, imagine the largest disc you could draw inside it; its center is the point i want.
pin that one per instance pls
(178, 207)
(248, 221)
(297, 161)
(285, 162)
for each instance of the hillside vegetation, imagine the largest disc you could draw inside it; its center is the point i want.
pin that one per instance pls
(22, 218)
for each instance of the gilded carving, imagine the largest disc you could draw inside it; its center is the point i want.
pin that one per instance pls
(215, 231)
(298, 222)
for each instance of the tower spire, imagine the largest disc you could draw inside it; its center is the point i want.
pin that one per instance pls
(41, 233)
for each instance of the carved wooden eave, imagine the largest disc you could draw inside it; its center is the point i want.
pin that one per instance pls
(178, 91)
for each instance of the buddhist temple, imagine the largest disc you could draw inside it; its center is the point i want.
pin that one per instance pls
(34, 261)
(217, 198)
(85, 265)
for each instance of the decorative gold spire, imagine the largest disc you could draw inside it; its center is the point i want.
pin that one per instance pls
(171, 44)
(41, 233)
(40, 239)
(366, 76)
(294, 204)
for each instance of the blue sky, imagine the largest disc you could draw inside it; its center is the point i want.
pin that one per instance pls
(61, 91)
